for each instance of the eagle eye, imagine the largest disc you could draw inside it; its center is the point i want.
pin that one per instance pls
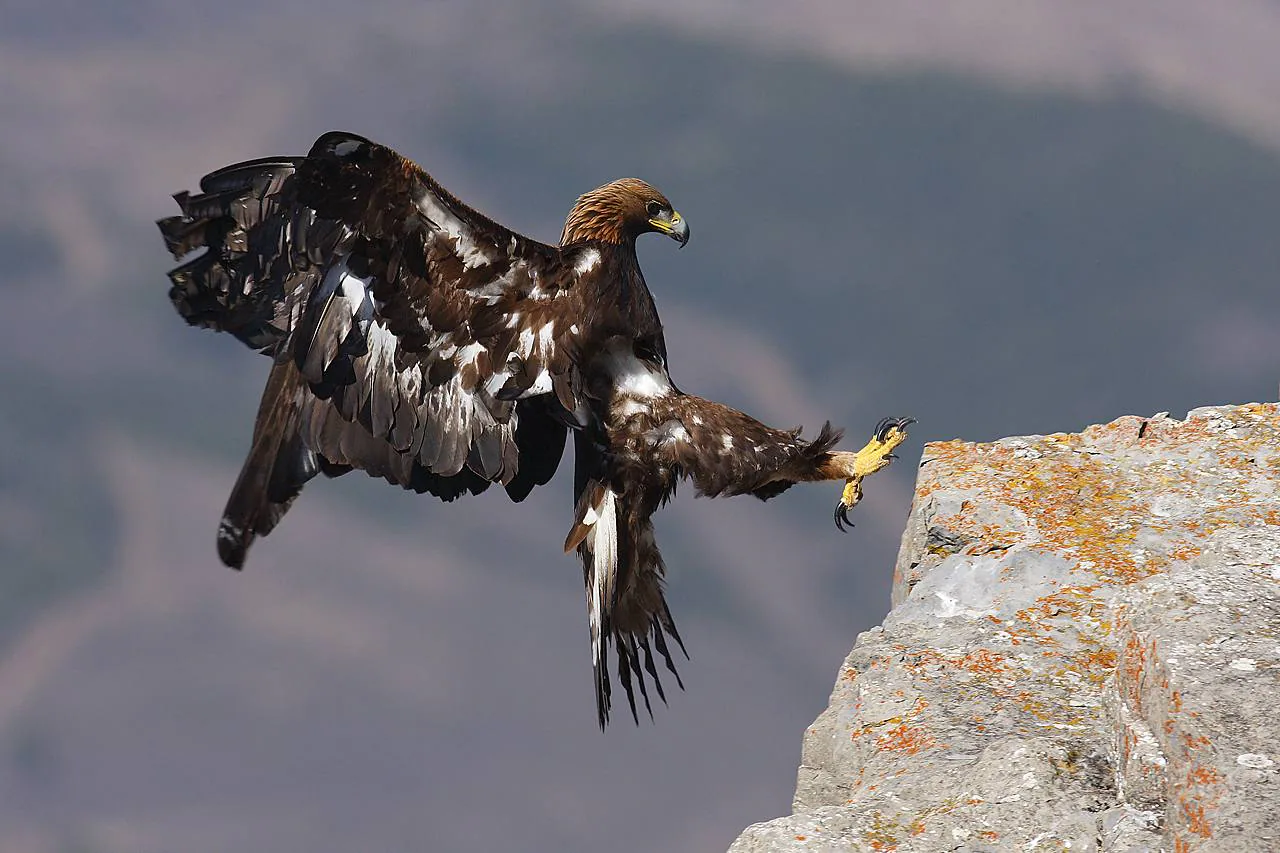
(653, 208)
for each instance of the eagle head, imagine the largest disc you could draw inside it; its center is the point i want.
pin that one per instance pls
(620, 211)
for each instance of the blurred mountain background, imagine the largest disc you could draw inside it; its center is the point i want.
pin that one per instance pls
(1000, 218)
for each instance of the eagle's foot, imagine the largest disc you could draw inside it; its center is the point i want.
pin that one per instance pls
(874, 456)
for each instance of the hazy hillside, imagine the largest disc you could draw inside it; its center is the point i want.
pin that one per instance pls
(1215, 59)
(992, 263)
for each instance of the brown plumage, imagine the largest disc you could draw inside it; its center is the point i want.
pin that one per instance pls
(615, 213)
(419, 341)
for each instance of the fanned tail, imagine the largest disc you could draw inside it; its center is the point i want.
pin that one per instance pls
(623, 571)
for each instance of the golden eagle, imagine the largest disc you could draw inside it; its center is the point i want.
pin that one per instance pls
(417, 340)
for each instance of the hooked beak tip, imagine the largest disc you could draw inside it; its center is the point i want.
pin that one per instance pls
(681, 234)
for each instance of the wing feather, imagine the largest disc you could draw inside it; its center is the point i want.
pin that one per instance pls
(416, 323)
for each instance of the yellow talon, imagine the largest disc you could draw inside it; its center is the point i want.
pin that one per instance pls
(852, 492)
(874, 456)
(878, 452)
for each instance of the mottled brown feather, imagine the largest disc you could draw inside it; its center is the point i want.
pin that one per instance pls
(615, 213)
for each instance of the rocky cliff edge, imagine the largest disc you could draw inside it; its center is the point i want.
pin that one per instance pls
(1083, 654)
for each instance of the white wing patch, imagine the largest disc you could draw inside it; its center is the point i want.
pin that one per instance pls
(546, 337)
(629, 408)
(496, 381)
(532, 346)
(590, 260)
(348, 147)
(632, 377)
(541, 385)
(350, 289)
(451, 226)
(467, 354)
(669, 433)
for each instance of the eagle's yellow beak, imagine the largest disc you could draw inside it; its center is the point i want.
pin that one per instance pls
(674, 227)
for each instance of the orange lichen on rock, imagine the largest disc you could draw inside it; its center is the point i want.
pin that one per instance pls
(978, 661)
(905, 737)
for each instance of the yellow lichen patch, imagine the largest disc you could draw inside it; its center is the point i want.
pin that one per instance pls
(1074, 606)
(1086, 507)
(1033, 704)
(1075, 602)
(882, 834)
(1096, 665)
(1075, 503)
(992, 538)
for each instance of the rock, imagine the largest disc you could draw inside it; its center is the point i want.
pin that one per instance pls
(1083, 655)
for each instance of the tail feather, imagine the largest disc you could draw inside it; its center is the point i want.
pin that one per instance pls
(623, 571)
(660, 642)
(627, 649)
(651, 669)
(624, 676)
(277, 467)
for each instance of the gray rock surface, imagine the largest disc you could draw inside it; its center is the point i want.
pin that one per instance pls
(1083, 655)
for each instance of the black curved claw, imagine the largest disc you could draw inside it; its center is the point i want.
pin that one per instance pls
(887, 424)
(843, 524)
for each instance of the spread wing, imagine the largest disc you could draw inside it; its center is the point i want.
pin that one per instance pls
(432, 346)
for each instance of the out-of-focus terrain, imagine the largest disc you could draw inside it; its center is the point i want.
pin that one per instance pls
(1028, 247)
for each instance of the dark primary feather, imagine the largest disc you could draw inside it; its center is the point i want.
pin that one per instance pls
(274, 473)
